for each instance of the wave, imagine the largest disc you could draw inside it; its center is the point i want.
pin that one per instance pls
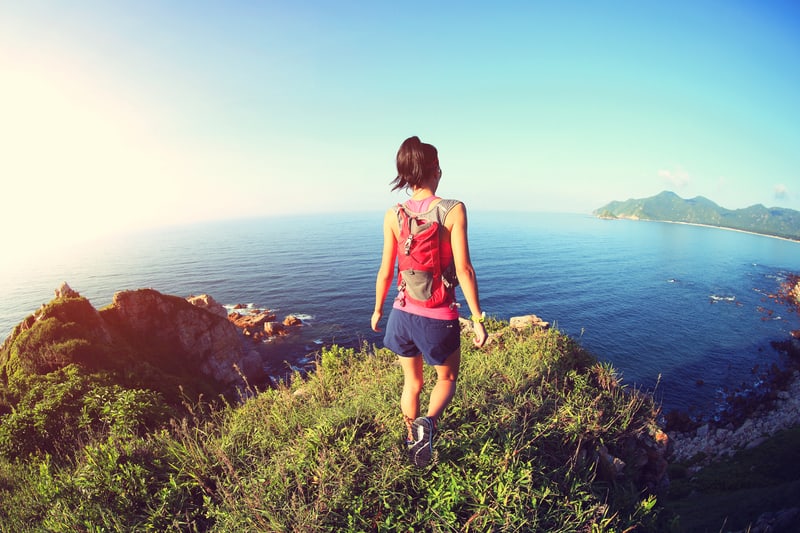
(717, 298)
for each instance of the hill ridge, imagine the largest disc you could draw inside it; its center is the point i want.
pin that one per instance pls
(667, 206)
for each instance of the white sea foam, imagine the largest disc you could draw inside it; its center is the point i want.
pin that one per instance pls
(718, 298)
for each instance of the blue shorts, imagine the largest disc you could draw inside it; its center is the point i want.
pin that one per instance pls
(409, 335)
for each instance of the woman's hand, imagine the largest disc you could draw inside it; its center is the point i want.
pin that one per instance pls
(480, 334)
(376, 317)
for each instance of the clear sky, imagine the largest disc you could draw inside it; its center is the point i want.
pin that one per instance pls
(118, 115)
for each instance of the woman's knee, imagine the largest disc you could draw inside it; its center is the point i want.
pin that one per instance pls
(447, 375)
(413, 383)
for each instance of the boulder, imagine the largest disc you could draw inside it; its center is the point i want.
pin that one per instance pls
(292, 320)
(795, 292)
(273, 328)
(260, 325)
(527, 321)
(204, 301)
(252, 322)
(65, 291)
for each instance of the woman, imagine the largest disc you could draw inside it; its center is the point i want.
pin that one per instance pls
(415, 331)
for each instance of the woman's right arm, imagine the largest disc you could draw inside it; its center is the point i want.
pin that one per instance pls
(386, 270)
(456, 223)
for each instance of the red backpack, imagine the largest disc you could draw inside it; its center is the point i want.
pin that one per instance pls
(421, 277)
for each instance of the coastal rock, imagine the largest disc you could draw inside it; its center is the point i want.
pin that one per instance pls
(197, 336)
(186, 340)
(273, 328)
(291, 321)
(204, 301)
(261, 325)
(527, 321)
(719, 442)
(517, 323)
(65, 291)
(252, 323)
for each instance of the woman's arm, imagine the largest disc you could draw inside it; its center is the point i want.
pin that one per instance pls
(456, 223)
(386, 270)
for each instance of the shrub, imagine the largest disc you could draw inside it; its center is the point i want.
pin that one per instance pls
(61, 411)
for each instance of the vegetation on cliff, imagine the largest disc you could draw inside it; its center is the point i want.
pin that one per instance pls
(540, 437)
(69, 336)
(102, 432)
(669, 207)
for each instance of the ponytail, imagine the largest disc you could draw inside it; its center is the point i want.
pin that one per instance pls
(416, 163)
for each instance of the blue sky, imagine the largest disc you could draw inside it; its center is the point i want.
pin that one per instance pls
(124, 115)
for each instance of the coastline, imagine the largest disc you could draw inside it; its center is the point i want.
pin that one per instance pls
(775, 410)
(637, 219)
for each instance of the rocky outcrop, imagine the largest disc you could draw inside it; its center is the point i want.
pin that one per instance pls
(184, 337)
(517, 323)
(291, 321)
(251, 325)
(527, 321)
(199, 336)
(261, 325)
(65, 291)
(794, 298)
(204, 301)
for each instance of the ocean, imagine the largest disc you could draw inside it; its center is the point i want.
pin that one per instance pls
(677, 309)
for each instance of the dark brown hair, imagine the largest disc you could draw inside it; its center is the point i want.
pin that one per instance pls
(417, 162)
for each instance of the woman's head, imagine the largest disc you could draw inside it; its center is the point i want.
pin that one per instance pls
(417, 164)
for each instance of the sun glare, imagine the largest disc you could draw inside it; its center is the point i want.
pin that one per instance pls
(78, 162)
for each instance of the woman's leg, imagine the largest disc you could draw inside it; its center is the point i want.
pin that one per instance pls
(445, 388)
(412, 387)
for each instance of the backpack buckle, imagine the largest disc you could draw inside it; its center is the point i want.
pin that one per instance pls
(407, 244)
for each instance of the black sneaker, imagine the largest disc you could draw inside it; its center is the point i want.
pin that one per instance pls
(421, 450)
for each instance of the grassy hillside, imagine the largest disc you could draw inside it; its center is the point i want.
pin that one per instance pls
(540, 437)
(669, 207)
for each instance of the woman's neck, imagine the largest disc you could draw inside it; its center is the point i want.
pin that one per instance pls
(422, 193)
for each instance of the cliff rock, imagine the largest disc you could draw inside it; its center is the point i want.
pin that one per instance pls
(154, 339)
(198, 335)
(204, 301)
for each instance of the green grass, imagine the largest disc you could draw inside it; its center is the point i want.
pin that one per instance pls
(515, 452)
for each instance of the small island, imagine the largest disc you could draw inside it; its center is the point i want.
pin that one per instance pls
(669, 207)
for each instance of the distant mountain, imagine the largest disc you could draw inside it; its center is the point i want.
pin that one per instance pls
(669, 207)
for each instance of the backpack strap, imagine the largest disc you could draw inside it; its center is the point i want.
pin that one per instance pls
(444, 207)
(439, 210)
